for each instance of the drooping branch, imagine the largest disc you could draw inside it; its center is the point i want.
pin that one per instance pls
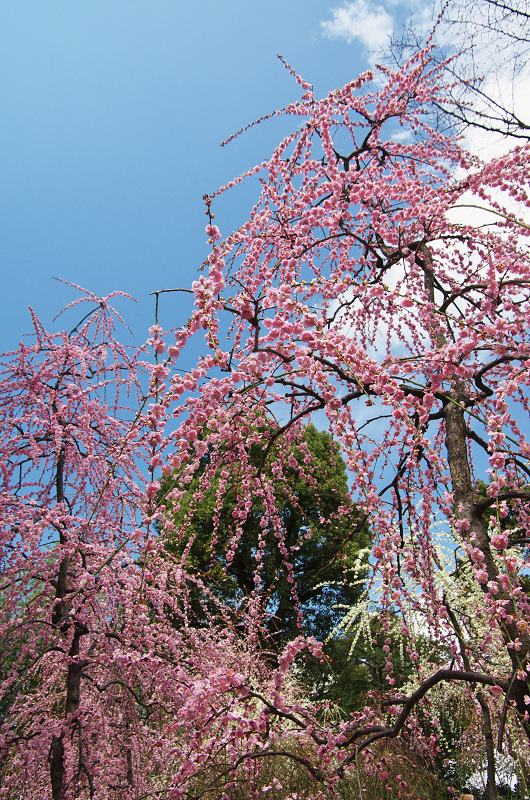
(376, 732)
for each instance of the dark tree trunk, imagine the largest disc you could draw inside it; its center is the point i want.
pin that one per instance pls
(491, 785)
(466, 508)
(73, 686)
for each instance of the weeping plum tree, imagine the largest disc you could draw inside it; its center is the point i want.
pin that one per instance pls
(358, 291)
(101, 695)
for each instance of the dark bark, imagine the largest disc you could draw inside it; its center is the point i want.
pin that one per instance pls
(466, 509)
(491, 786)
(73, 686)
(57, 772)
(456, 441)
(76, 665)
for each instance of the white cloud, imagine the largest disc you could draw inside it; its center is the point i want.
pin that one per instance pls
(512, 91)
(508, 91)
(369, 24)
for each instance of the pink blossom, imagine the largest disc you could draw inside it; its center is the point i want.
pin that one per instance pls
(213, 232)
(500, 540)
(481, 576)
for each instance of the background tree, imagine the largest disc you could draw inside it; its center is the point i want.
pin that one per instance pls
(484, 47)
(310, 569)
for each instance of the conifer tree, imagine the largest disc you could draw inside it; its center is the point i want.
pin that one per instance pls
(309, 586)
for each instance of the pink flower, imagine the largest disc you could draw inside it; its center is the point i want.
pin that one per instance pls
(152, 489)
(497, 460)
(511, 565)
(481, 575)
(500, 540)
(213, 232)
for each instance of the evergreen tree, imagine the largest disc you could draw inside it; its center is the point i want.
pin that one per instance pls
(323, 546)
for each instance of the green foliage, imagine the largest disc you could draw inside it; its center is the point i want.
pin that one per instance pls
(322, 542)
(355, 670)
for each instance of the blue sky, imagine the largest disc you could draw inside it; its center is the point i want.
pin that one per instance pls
(113, 113)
